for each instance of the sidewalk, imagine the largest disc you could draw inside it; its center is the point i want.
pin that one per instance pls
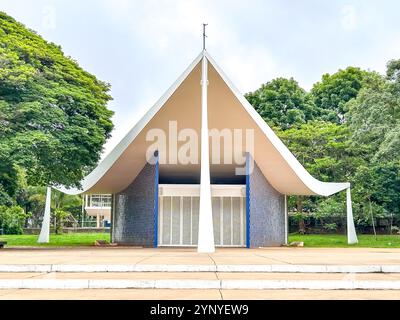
(229, 273)
(185, 256)
(167, 294)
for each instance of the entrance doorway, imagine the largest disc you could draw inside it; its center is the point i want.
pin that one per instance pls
(178, 215)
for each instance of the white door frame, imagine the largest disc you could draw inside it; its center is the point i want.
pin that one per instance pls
(192, 190)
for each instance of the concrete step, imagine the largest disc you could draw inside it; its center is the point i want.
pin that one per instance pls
(198, 276)
(256, 268)
(199, 284)
(202, 280)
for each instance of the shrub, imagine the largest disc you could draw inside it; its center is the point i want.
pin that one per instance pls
(5, 199)
(12, 219)
(59, 216)
(330, 226)
(329, 208)
(395, 230)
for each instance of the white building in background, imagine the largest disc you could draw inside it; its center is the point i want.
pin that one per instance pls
(99, 206)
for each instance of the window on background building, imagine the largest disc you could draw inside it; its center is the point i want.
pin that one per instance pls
(100, 200)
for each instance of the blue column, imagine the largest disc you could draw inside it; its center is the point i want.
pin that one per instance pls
(247, 200)
(156, 179)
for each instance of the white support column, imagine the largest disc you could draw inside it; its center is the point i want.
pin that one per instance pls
(351, 230)
(206, 231)
(83, 209)
(286, 222)
(44, 236)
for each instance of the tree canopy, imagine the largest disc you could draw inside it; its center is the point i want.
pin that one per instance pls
(334, 91)
(323, 148)
(374, 115)
(347, 128)
(54, 118)
(54, 122)
(283, 103)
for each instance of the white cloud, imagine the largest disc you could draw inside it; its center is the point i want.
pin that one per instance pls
(125, 122)
(349, 17)
(178, 28)
(248, 69)
(383, 55)
(159, 25)
(253, 43)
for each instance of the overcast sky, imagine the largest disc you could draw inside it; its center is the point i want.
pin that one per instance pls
(141, 47)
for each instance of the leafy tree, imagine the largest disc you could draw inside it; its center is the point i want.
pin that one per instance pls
(59, 217)
(33, 199)
(374, 117)
(347, 129)
(393, 71)
(323, 148)
(330, 207)
(53, 115)
(5, 199)
(69, 203)
(374, 120)
(12, 182)
(8, 181)
(378, 183)
(12, 219)
(334, 91)
(283, 103)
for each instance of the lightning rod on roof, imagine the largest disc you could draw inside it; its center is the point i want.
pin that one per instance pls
(204, 35)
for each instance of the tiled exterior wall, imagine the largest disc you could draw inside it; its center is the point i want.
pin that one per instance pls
(134, 217)
(266, 212)
(133, 220)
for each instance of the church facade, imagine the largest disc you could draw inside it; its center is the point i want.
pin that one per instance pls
(203, 169)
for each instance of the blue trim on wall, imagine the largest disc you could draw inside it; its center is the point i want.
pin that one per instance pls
(247, 200)
(155, 244)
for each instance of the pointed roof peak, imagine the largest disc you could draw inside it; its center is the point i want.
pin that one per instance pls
(300, 182)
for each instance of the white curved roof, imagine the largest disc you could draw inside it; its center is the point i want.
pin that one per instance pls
(227, 108)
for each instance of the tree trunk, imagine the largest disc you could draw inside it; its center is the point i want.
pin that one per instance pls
(391, 223)
(299, 207)
(372, 217)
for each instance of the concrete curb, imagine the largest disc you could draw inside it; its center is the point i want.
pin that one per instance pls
(285, 268)
(200, 284)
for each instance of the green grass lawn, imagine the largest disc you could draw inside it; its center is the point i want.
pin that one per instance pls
(63, 240)
(340, 241)
(313, 240)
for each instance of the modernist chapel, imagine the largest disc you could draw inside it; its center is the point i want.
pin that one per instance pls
(209, 199)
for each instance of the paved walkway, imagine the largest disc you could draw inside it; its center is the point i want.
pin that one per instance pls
(167, 294)
(45, 273)
(222, 256)
(197, 276)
